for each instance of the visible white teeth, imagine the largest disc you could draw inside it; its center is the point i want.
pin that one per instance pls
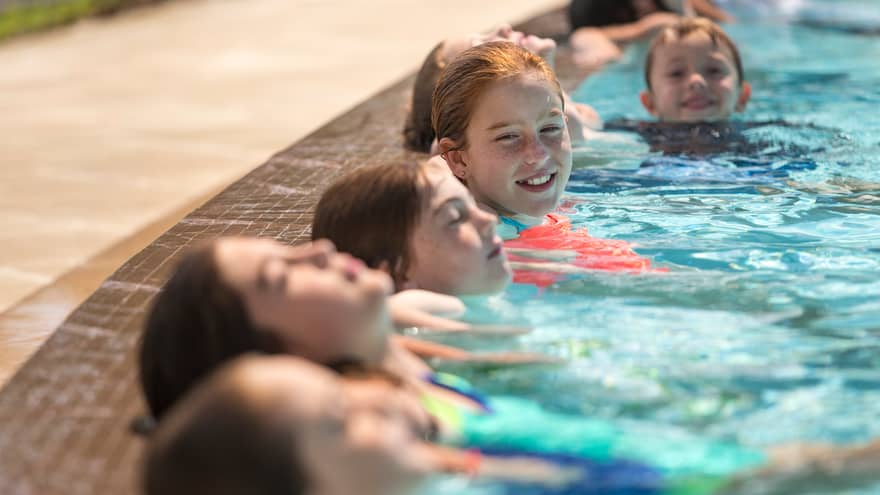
(537, 181)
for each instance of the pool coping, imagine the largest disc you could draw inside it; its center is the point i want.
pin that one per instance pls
(64, 415)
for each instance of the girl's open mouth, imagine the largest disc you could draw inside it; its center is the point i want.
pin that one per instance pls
(538, 183)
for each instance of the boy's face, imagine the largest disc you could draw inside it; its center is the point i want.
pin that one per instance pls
(694, 80)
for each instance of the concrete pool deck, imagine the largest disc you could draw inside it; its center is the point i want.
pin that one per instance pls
(113, 129)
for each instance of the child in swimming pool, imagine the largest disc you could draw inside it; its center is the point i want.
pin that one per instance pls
(694, 74)
(498, 112)
(281, 425)
(417, 223)
(420, 225)
(418, 133)
(241, 295)
(499, 116)
(695, 83)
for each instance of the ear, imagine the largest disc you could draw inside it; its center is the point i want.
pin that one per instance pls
(745, 93)
(647, 99)
(454, 159)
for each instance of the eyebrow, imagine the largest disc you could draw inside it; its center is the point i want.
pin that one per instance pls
(445, 203)
(498, 125)
(554, 112)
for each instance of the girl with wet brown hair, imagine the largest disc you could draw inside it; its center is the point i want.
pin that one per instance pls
(239, 295)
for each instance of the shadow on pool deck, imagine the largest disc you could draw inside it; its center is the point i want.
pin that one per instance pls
(64, 416)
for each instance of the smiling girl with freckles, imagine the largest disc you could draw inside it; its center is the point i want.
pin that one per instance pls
(499, 116)
(418, 134)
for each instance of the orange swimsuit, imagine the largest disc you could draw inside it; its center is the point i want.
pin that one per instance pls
(556, 233)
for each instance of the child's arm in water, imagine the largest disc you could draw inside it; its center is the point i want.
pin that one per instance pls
(796, 468)
(432, 350)
(513, 469)
(421, 308)
(644, 28)
(560, 255)
(417, 311)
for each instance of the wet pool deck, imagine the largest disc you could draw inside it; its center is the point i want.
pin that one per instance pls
(64, 414)
(113, 128)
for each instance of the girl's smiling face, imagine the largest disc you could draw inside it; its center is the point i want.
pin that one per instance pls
(455, 248)
(517, 156)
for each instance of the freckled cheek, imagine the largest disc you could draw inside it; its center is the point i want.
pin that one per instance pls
(500, 155)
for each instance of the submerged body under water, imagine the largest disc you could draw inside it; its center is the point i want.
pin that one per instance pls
(766, 327)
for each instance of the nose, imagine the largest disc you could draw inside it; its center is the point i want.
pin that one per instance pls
(536, 152)
(696, 80)
(485, 221)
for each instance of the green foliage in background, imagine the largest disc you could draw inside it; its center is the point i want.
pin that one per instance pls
(24, 16)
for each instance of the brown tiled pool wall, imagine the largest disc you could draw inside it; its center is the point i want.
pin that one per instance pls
(64, 416)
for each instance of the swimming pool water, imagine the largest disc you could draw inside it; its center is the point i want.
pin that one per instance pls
(765, 329)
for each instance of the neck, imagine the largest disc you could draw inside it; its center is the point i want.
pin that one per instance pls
(503, 212)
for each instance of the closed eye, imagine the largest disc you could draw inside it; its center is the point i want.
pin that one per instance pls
(452, 212)
(460, 214)
(549, 129)
(506, 137)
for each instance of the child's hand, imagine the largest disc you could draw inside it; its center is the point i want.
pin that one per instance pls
(420, 308)
(653, 23)
(542, 47)
(429, 302)
(592, 48)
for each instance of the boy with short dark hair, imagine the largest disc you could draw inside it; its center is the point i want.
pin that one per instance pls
(694, 74)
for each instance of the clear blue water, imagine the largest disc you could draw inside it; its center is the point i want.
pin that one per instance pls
(766, 329)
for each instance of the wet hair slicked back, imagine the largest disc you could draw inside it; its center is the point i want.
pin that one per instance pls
(687, 27)
(470, 74)
(372, 214)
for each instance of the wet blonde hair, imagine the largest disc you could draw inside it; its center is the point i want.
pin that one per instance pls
(687, 27)
(467, 77)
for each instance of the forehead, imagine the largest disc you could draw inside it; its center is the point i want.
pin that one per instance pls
(238, 258)
(442, 184)
(530, 93)
(697, 43)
